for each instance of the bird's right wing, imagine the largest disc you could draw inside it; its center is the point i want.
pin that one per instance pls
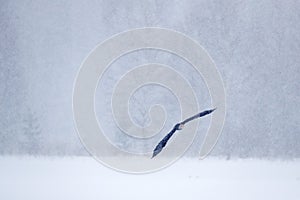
(163, 142)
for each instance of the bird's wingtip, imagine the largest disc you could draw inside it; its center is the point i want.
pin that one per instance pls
(154, 154)
(212, 110)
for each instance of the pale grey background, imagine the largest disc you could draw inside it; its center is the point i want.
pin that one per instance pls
(255, 45)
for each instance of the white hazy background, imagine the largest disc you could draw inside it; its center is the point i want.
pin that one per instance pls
(255, 46)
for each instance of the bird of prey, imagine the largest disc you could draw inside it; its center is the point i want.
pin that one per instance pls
(178, 126)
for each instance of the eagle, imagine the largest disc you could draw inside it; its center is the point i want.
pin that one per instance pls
(179, 126)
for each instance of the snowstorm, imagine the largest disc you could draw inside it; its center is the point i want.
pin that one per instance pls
(255, 47)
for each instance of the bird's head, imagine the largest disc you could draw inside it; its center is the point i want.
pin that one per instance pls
(179, 126)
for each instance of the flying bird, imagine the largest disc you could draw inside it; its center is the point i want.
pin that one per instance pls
(178, 126)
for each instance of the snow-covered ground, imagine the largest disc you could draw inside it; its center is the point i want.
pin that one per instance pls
(84, 178)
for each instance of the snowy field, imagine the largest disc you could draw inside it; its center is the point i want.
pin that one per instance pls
(84, 178)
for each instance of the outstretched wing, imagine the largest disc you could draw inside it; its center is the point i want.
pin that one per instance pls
(206, 112)
(163, 142)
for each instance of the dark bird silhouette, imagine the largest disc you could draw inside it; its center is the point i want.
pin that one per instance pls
(178, 126)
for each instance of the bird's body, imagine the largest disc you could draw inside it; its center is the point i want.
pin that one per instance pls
(178, 126)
